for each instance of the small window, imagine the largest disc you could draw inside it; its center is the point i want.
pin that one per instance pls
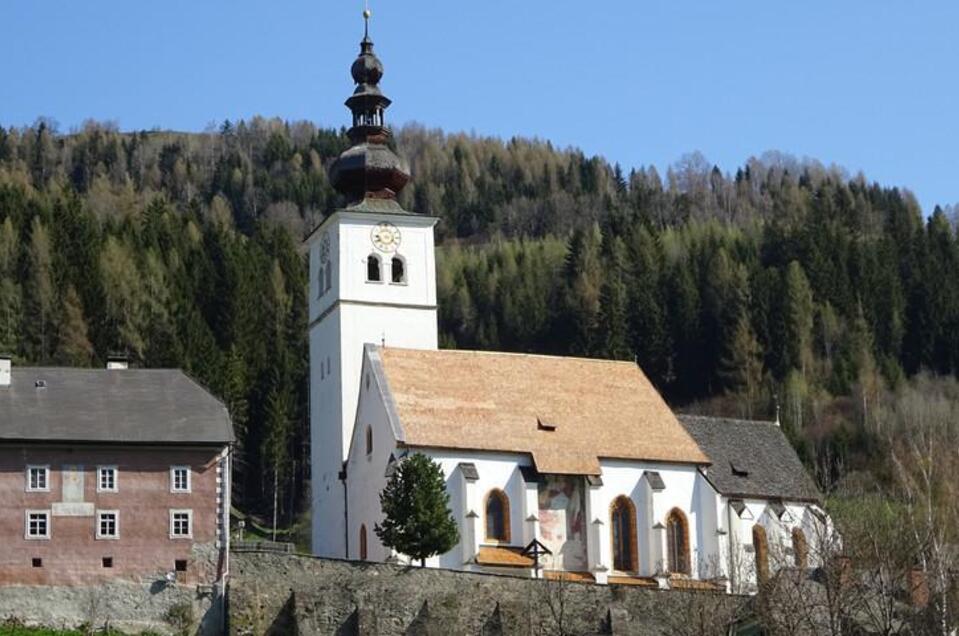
(320, 277)
(329, 278)
(369, 440)
(398, 270)
(107, 479)
(108, 524)
(677, 539)
(373, 273)
(179, 565)
(38, 479)
(363, 542)
(37, 524)
(497, 516)
(107, 562)
(181, 524)
(37, 563)
(179, 479)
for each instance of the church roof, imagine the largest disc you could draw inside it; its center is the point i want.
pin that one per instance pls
(566, 412)
(134, 406)
(751, 459)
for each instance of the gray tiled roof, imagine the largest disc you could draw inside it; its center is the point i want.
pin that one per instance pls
(141, 406)
(751, 459)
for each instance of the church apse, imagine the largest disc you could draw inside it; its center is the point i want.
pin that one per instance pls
(562, 517)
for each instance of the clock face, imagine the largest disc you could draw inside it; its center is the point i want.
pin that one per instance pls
(386, 237)
(325, 248)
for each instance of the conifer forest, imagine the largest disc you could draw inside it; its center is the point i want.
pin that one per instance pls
(786, 286)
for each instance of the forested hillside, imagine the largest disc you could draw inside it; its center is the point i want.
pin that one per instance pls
(785, 283)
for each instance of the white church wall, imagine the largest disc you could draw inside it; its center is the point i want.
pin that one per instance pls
(366, 473)
(621, 477)
(326, 439)
(351, 313)
(495, 470)
(778, 536)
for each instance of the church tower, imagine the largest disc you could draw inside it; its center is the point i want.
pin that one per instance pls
(372, 280)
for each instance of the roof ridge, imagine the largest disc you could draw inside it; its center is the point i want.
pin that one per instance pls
(737, 420)
(518, 354)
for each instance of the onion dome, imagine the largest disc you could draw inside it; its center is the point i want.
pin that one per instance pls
(368, 169)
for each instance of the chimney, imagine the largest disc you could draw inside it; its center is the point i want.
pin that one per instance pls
(5, 366)
(117, 362)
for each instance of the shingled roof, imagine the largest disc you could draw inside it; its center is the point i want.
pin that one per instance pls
(142, 406)
(751, 459)
(565, 412)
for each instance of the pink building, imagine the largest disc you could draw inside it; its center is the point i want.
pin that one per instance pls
(111, 474)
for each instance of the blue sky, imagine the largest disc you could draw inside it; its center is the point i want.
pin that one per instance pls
(871, 85)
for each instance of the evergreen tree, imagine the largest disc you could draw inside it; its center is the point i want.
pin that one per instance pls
(418, 521)
(798, 318)
(742, 368)
(73, 342)
(613, 327)
(40, 293)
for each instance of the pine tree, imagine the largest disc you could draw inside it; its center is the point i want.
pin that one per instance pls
(73, 341)
(798, 318)
(742, 368)
(418, 521)
(613, 328)
(40, 293)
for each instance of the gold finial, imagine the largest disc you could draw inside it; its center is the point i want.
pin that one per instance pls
(367, 14)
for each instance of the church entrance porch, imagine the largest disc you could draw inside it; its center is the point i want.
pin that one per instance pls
(562, 521)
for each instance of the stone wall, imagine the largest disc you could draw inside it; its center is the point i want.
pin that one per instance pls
(289, 594)
(130, 607)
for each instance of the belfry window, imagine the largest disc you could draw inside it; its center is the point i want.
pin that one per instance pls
(320, 277)
(398, 270)
(677, 539)
(329, 278)
(623, 521)
(497, 516)
(373, 273)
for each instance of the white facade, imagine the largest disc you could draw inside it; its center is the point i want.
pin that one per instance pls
(346, 311)
(720, 540)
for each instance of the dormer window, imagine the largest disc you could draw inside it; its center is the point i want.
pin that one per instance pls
(398, 271)
(373, 272)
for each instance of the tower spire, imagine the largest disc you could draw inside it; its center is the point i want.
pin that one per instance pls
(368, 169)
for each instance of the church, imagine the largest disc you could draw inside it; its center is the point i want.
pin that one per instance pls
(583, 456)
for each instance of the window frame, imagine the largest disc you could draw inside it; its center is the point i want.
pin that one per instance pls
(116, 525)
(28, 485)
(682, 553)
(189, 479)
(503, 499)
(116, 478)
(48, 525)
(181, 511)
(623, 504)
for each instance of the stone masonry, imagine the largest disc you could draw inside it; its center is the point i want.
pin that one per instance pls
(289, 594)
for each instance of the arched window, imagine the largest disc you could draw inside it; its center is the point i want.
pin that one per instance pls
(363, 542)
(320, 277)
(677, 540)
(761, 549)
(497, 516)
(800, 549)
(373, 269)
(369, 440)
(622, 514)
(329, 277)
(398, 270)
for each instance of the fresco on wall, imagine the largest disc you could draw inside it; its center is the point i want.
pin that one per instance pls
(562, 521)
